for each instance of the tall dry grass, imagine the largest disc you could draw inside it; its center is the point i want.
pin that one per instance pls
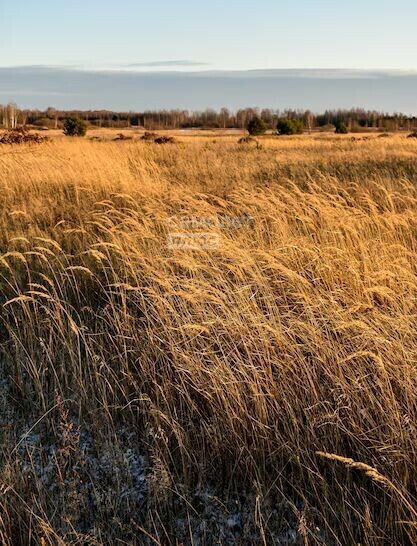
(281, 367)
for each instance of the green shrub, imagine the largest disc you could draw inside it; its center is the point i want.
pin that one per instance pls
(75, 127)
(256, 126)
(290, 127)
(341, 128)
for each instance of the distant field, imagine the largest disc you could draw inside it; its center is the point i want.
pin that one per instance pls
(258, 391)
(136, 133)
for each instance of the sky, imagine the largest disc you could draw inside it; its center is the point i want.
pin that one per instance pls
(205, 36)
(225, 34)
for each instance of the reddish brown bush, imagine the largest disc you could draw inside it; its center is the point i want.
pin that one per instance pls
(21, 136)
(164, 140)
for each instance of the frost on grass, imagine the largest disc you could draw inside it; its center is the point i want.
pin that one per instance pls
(92, 485)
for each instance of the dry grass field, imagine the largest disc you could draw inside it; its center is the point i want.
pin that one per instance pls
(261, 392)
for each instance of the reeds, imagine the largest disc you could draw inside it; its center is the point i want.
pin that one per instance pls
(243, 366)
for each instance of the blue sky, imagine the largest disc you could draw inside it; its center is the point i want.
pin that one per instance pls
(219, 34)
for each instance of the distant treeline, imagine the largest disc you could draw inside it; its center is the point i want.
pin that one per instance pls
(355, 119)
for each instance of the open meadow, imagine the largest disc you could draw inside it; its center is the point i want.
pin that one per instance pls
(260, 391)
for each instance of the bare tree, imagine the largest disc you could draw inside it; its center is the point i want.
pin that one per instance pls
(10, 113)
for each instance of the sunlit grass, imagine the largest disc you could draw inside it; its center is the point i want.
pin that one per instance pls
(266, 363)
